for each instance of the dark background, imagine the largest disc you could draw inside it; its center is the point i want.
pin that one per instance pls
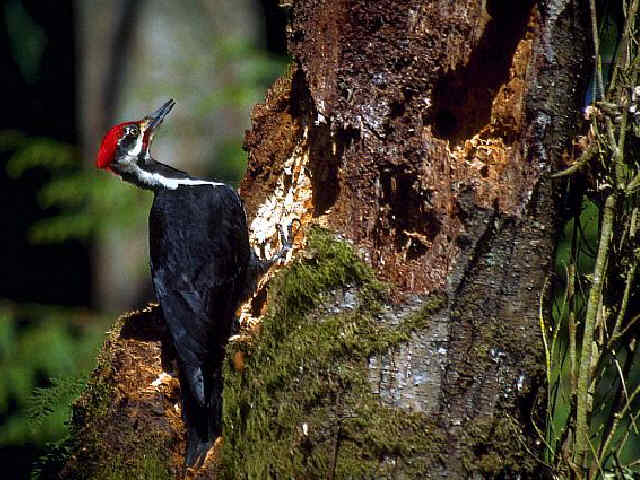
(57, 274)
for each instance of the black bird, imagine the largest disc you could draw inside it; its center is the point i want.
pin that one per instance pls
(201, 264)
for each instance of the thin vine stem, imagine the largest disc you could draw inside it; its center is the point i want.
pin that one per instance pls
(595, 292)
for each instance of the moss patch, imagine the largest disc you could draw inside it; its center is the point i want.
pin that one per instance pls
(495, 448)
(302, 405)
(118, 431)
(109, 447)
(148, 464)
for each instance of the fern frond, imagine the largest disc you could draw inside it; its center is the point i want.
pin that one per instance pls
(44, 401)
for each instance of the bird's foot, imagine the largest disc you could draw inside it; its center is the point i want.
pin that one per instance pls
(286, 239)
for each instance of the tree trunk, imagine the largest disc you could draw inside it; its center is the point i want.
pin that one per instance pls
(420, 135)
(425, 131)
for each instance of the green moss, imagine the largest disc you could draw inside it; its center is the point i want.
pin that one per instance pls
(495, 447)
(303, 406)
(93, 404)
(144, 464)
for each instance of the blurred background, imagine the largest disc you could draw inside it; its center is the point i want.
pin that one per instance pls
(74, 242)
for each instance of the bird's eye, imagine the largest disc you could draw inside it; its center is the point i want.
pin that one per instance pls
(133, 130)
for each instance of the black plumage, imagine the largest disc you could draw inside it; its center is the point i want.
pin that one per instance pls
(199, 263)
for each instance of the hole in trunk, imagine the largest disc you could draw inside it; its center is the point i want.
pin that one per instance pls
(462, 98)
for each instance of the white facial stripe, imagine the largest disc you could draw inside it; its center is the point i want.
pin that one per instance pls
(157, 180)
(135, 151)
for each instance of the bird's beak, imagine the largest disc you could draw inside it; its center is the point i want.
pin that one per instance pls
(155, 119)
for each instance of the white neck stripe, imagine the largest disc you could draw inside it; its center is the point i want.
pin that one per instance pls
(158, 180)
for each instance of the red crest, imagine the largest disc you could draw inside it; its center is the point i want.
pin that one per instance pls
(109, 143)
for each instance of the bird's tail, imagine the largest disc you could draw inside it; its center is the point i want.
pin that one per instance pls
(203, 419)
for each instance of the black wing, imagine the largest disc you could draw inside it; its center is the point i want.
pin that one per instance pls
(199, 253)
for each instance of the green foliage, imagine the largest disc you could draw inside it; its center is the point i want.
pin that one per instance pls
(51, 462)
(579, 235)
(86, 202)
(35, 152)
(585, 229)
(575, 257)
(41, 346)
(591, 340)
(45, 401)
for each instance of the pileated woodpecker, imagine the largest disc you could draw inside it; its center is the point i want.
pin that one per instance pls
(201, 264)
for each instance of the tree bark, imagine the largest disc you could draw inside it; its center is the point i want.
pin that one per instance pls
(426, 131)
(421, 134)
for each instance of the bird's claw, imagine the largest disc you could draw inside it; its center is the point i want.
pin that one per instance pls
(286, 238)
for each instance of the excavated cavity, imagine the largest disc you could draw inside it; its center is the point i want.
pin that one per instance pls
(408, 212)
(462, 98)
(323, 165)
(300, 104)
(326, 149)
(326, 146)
